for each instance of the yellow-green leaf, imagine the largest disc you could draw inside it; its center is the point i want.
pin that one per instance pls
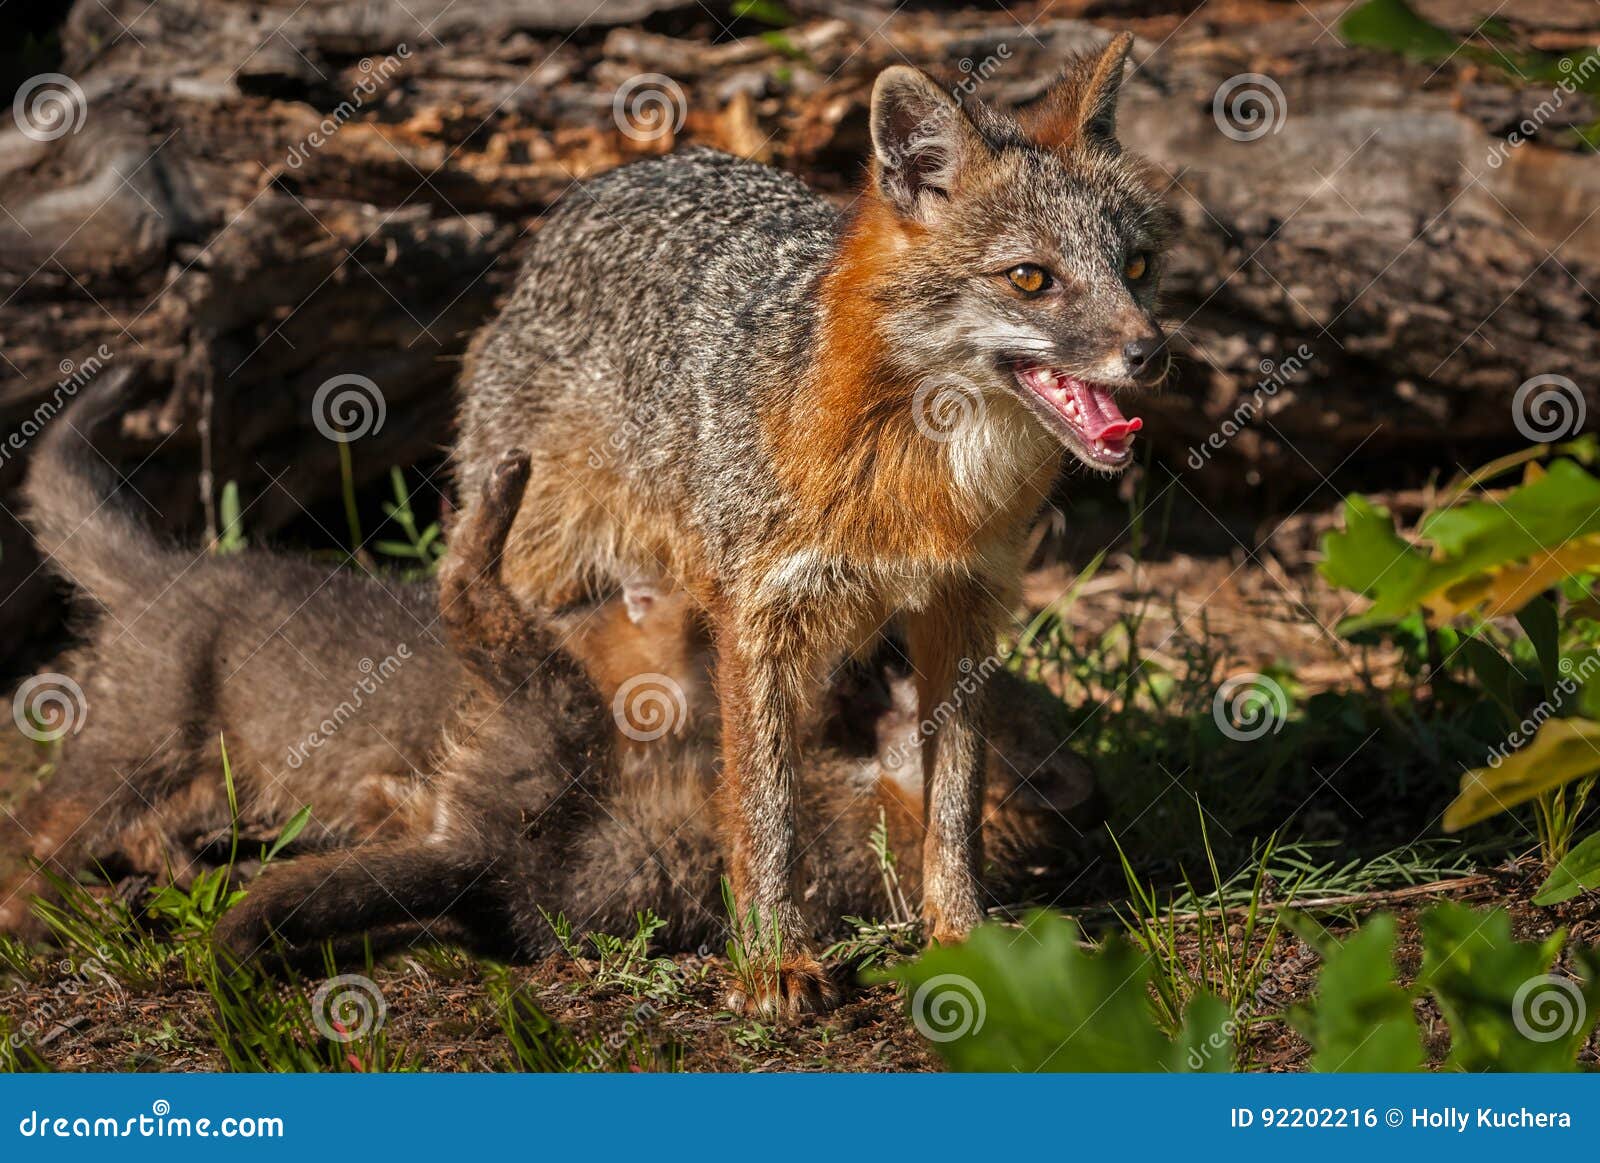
(1563, 750)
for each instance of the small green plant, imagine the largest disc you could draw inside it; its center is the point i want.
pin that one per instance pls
(421, 546)
(231, 539)
(1200, 946)
(17, 1053)
(755, 947)
(539, 1044)
(17, 960)
(872, 941)
(754, 1036)
(191, 912)
(621, 962)
(264, 1026)
(103, 933)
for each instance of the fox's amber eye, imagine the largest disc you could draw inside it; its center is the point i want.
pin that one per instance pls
(1137, 266)
(1029, 279)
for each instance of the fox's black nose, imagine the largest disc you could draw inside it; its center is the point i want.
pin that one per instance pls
(1145, 358)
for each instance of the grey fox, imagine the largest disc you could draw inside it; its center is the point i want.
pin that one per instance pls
(499, 729)
(726, 383)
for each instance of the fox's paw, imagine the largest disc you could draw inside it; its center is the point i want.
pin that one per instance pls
(950, 927)
(508, 479)
(802, 985)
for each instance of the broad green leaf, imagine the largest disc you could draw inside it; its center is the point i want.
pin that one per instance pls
(1036, 999)
(1360, 1020)
(1498, 677)
(1561, 751)
(291, 830)
(1368, 556)
(1391, 24)
(1542, 625)
(1578, 872)
(1505, 1009)
(1496, 553)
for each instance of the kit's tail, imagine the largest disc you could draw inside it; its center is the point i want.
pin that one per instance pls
(82, 518)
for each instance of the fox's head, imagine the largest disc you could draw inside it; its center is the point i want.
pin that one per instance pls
(1021, 254)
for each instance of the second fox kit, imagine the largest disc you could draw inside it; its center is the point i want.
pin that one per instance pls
(728, 385)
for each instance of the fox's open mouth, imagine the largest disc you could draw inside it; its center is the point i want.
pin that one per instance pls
(1084, 414)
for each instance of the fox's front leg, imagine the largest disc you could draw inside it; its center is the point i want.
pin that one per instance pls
(760, 677)
(952, 649)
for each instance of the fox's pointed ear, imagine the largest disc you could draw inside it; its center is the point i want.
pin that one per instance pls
(922, 139)
(1082, 106)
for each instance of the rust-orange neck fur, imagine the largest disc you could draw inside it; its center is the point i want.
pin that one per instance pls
(861, 474)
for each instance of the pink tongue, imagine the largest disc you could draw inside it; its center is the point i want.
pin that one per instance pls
(1102, 419)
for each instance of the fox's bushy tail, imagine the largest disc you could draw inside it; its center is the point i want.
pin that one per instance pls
(315, 898)
(86, 531)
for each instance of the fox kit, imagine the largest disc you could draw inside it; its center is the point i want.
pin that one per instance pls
(726, 384)
(260, 648)
(631, 834)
